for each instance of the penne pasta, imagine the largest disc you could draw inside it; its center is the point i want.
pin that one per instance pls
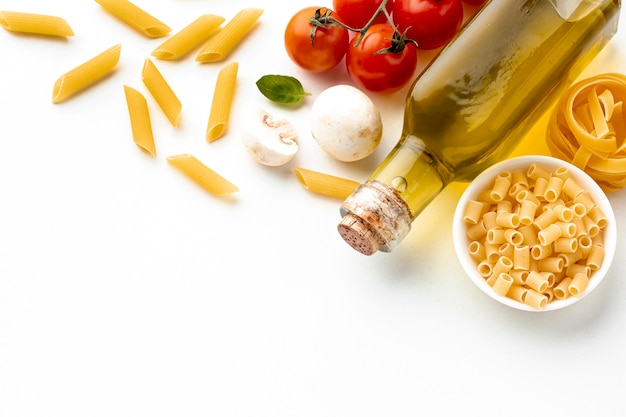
(190, 37)
(135, 17)
(325, 184)
(222, 101)
(202, 174)
(85, 74)
(161, 91)
(38, 24)
(220, 45)
(140, 120)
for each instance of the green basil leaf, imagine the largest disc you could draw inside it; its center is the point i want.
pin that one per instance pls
(281, 89)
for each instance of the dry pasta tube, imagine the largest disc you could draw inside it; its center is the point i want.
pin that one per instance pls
(491, 252)
(161, 91)
(202, 175)
(38, 24)
(476, 231)
(135, 17)
(597, 215)
(507, 250)
(536, 281)
(140, 120)
(190, 37)
(325, 184)
(521, 258)
(595, 258)
(85, 74)
(578, 269)
(501, 186)
(528, 209)
(502, 284)
(517, 292)
(578, 284)
(221, 44)
(474, 211)
(553, 189)
(549, 235)
(222, 101)
(561, 291)
(535, 299)
(476, 250)
(502, 265)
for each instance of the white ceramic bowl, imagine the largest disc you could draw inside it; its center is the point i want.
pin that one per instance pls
(485, 180)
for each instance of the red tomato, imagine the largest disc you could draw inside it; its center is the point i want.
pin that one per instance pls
(327, 47)
(356, 13)
(384, 72)
(475, 2)
(430, 23)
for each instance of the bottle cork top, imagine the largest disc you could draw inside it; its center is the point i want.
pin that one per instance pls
(375, 218)
(359, 234)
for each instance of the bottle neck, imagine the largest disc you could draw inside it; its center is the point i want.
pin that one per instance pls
(378, 214)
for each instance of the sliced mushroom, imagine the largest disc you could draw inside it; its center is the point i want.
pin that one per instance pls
(269, 141)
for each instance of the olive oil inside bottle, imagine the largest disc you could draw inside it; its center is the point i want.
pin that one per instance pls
(474, 102)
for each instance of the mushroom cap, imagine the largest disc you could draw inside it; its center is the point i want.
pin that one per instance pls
(345, 123)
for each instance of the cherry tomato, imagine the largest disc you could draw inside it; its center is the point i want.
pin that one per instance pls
(356, 13)
(475, 2)
(322, 51)
(430, 23)
(381, 61)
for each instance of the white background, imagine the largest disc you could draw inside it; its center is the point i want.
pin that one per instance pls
(127, 290)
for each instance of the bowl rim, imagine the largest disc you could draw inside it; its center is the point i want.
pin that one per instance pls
(481, 181)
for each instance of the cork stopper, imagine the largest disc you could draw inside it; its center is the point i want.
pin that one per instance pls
(375, 218)
(359, 234)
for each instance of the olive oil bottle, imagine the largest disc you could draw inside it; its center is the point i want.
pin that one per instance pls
(473, 103)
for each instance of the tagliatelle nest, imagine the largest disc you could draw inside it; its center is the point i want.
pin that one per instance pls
(588, 129)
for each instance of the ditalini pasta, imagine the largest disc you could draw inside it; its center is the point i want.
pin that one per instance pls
(140, 120)
(588, 129)
(38, 24)
(85, 74)
(222, 101)
(135, 17)
(202, 174)
(326, 184)
(549, 256)
(190, 37)
(161, 91)
(221, 44)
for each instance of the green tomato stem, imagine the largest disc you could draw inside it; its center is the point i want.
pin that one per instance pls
(323, 21)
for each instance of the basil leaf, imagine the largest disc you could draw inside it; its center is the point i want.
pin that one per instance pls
(281, 89)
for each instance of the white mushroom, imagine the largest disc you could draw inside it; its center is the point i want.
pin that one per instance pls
(346, 123)
(270, 141)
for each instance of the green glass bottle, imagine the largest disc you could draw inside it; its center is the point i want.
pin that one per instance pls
(473, 103)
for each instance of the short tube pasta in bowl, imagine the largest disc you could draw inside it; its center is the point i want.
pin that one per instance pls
(535, 233)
